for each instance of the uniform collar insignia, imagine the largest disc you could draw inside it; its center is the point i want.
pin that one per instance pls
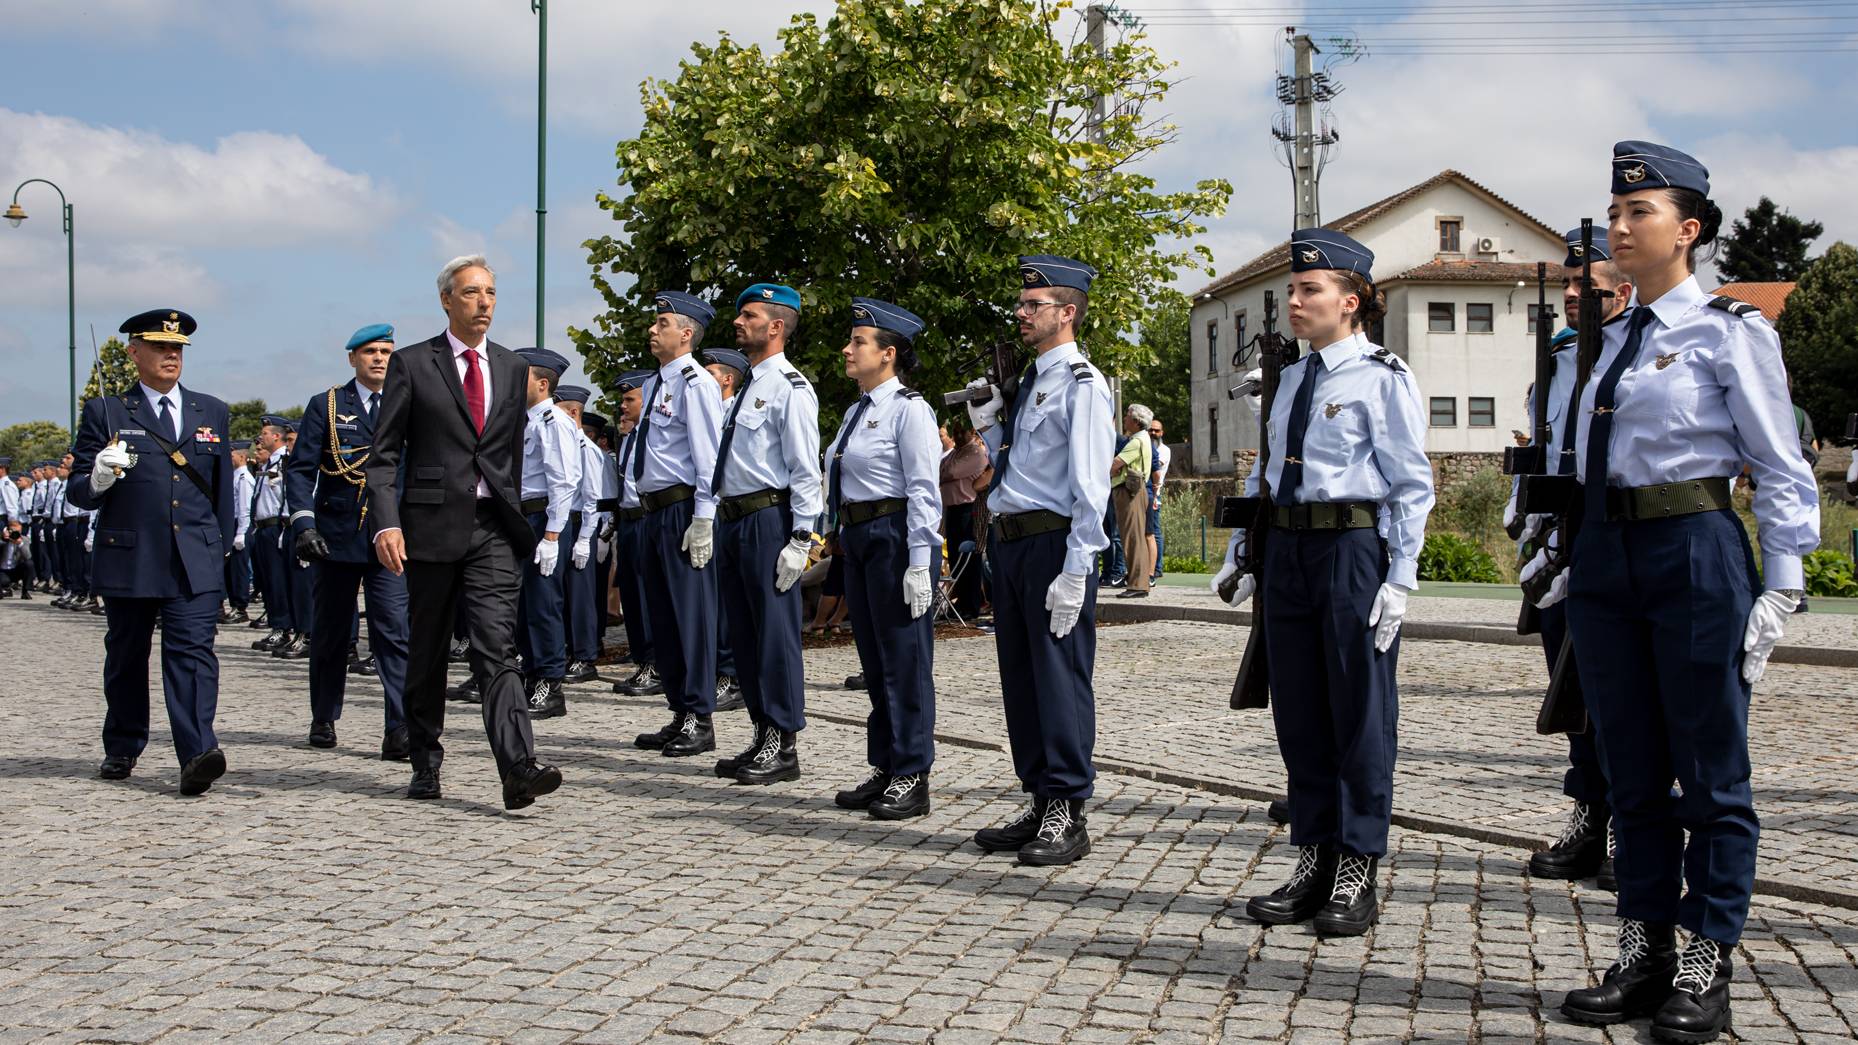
(1666, 360)
(1332, 409)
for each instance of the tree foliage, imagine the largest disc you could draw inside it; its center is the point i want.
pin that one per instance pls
(907, 151)
(119, 373)
(1158, 370)
(1767, 245)
(245, 417)
(30, 441)
(1819, 339)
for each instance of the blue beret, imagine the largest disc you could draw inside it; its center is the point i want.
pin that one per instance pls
(1601, 252)
(165, 325)
(632, 379)
(1641, 165)
(869, 312)
(572, 394)
(369, 334)
(1312, 249)
(1050, 270)
(1563, 336)
(770, 294)
(241, 444)
(543, 358)
(276, 421)
(728, 357)
(684, 305)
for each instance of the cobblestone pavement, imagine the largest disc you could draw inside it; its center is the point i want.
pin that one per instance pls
(302, 899)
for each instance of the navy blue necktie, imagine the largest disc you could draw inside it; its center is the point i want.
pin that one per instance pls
(645, 425)
(838, 453)
(625, 452)
(722, 449)
(166, 416)
(1291, 477)
(1026, 380)
(374, 399)
(1600, 432)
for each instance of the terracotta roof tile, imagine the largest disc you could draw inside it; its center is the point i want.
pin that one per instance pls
(1472, 272)
(1770, 298)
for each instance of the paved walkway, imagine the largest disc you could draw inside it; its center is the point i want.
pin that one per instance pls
(301, 899)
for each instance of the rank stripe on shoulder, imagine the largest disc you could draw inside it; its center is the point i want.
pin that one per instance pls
(910, 393)
(795, 378)
(1386, 356)
(1733, 307)
(1081, 371)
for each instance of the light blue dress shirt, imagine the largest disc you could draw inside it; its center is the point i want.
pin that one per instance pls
(599, 480)
(629, 490)
(896, 452)
(776, 444)
(685, 408)
(1706, 394)
(552, 462)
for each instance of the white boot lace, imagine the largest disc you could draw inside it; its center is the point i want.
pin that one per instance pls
(1056, 822)
(770, 749)
(1578, 822)
(1633, 944)
(900, 786)
(1697, 967)
(1308, 858)
(1351, 877)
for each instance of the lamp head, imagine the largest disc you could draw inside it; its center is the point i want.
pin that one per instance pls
(15, 214)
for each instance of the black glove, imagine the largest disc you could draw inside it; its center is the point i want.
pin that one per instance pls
(311, 547)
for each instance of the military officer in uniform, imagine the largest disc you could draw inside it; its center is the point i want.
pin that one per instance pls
(730, 369)
(295, 573)
(153, 463)
(325, 481)
(768, 478)
(673, 452)
(628, 535)
(239, 563)
(1051, 450)
(593, 511)
(1672, 624)
(551, 488)
(9, 494)
(265, 535)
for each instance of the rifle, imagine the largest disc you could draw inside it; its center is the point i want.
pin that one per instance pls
(1534, 459)
(1251, 688)
(1002, 367)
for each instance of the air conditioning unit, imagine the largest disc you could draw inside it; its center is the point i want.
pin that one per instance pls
(1489, 245)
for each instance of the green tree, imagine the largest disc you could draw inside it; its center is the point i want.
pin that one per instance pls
(1767, 245)
(245, 417)
(119, 371)
(30, 441)
(906, 151)
(1819, 339)
(1158, 373)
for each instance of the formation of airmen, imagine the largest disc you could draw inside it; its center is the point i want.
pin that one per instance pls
(706, 498)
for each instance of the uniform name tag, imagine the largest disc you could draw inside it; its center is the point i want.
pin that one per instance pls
(131, 431)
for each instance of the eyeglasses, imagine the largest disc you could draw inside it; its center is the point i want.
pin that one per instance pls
(1029, 307)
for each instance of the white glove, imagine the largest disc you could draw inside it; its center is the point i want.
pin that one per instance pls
(916, 590)
(90, 543)
(111, 461)
(984, 415)
(700, 541)
(238, 543)
(583, 550)
(1557, 588)
(1065, 600)
(1247, 585)
(1767, 622)
(1389, 610)
(791, 563)
(1532, 525)
(546, 553)
(1255, 401)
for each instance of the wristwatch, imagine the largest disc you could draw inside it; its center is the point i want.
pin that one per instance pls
(801, 535)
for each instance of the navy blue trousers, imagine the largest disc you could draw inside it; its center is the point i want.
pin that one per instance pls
(541, 620)
(1584, 781)
(1051, 709)
(1658, 608)
(41, 546)
(189, 672)
(765, 623)
(585, 597)
(1333, 696)
(682, 603)
(895, 651)
(268, 566)
(629, 577)
(336, 586)
(239, 579)
(299, 586)
(54, 552)
(71, 535)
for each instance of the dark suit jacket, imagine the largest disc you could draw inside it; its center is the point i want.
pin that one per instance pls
(331, 503)
(155, 516)
(424, 432)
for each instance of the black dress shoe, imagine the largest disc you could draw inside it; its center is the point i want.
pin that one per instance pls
(864, 794)
(299, 649)
(425, 783)
(1063, 836)
(354, 655)
(1278, 811)
(1698, 1008)
(656, 741)
(1308, 890)
(695, 737)
(729, 694)
(643, 683)
(365, 667)
(1013, 834)
(528, 781)
(581, 671)
(271, 641)
(394, 746)
(1354, 902)
(1637, 984)
(96, 607)
(1581, 848)
(546, 699)
(237, 616)
(777, 760)
(465, 692)
(459, 652)
(115, 767)
(854, 681)
(905, 796)
(726, 767)
(1133, 593)
(201, 770)
(322, 734)
(262, 621)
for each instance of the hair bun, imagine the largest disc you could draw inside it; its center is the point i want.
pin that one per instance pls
(1710, 216)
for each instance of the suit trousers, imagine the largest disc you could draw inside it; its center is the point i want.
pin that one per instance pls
(764, 623)
(337, 584)
(1045, 682)
(483, 586)
(297, 582)
(682, 600)
(895, 651)
(629, 577)
(189, 672)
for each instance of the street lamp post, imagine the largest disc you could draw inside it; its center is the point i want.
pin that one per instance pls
(540, 7)
(15, 215)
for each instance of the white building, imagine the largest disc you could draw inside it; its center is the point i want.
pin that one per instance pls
(1457, 263)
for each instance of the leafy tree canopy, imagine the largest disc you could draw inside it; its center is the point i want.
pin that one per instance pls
(1767, 245)
(1819, 339)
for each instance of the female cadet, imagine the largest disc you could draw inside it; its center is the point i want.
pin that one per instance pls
(1349, 489)
(885, 501)
(1669, 619)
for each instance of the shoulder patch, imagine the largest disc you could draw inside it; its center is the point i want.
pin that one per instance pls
(1081, 371)
(910, 393)
(1386, 356)
(795, 378)
(690, 373)
(1734, 307)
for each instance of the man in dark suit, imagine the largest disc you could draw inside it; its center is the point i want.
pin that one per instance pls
(154, 462)
(326, 470)
(451, 420)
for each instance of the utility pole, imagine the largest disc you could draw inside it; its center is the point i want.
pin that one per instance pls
(1303, 150)
(540, 7)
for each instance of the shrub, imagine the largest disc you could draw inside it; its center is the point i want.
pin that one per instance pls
(1449, 557)
(1474, 507)
(1829, 573)
(1182, 508)
(1184, 564)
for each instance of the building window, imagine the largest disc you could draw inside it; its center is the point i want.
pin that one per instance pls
(1238, 343)
(1450, 231)
(1535, 317)
(1212, 434)
(1480, 412)
(1441, 317)
(1444, 412)
(1479, 318)
(1212, 348)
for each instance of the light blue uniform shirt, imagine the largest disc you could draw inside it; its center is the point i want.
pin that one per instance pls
(776, 444)
(1706, 394)
(55, 500)
(270, 495)
(599, 481)
(684, 411)
(243, 489)
(1059, 459)
(629, 490)
(552, 462)
(9, 498)
(896, 452)
(1366, 441)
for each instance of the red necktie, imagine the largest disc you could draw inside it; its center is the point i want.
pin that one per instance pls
(474, 389)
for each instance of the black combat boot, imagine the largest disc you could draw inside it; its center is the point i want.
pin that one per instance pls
(864, 794)
(1298, 900)
(1015, 833)
(1636, 984)
(1354, 902)
(777, 759)
(1581, 848)
(1604, 877)
(546, 699)
(696, 737)
(905, 796)
(1063, 836)
(1698, 1008)
(726, 767)
(656, 741)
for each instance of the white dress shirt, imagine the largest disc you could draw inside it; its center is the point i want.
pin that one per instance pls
(482, 349)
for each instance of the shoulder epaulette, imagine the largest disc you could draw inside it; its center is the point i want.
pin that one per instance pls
(1734, 307)
(910, 393)
(690, 373)
(1385, 355)
(795, 378)
(1081, 371)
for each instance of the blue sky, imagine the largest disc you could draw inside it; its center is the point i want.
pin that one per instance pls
(289, 170)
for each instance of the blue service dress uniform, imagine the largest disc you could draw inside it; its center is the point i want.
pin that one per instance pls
(239, 563)
(586, 595)
(265, 540)
(551, 482)
(628, 568)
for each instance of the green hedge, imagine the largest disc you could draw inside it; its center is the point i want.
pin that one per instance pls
(1829, 573)
(1449, 557)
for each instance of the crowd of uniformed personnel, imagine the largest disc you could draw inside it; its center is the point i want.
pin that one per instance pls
(703, 503)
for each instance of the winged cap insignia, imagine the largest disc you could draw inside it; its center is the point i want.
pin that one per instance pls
(1311, 255)
(1634, 174)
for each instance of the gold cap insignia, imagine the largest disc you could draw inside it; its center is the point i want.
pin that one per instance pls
(1332, 409)
(1578, 250)
(1031, 277)
(1633, 174)
(1311, 255)
(860, 312)
(1666, 360)
(767, 293)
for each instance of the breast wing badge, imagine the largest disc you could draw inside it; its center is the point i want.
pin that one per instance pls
(1332, 409)
(1666, 360)
(1039, 400)
(347, 419)
(871, 423)
(759, 403)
